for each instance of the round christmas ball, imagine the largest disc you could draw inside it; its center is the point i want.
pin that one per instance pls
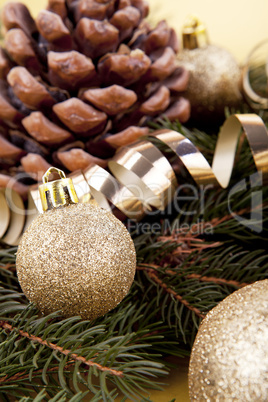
(78, 258)
(215, 76)
(229, 359)
(215, 82)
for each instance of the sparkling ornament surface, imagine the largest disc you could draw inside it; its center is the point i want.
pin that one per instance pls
(79, 259)
(215, 81)
(229, 360)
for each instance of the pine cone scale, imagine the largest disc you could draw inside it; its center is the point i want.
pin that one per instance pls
(111, 100)
(68, 69)
(18, 45)
(95, 38)
(28, 89)
(8, 112)
(17, 15)
(8, 150)
(124, 69)
(52, 28)
(44, 131)
(79, 117)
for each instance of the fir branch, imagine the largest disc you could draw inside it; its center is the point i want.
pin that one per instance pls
(219, 281)
(57, 348)
(152, 275)
(21, 376)
(201, 278)
(9, 267)
(100, 347)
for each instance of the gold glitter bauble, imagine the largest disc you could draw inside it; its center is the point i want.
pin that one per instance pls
(229, 360)
(78, 258)
(215, 82)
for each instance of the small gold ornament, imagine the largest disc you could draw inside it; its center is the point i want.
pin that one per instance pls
(77, 258)
(215, 76)
(229, 360)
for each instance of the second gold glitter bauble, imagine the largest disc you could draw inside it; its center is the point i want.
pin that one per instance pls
(77, 258)
(229, 360)
(215, 76)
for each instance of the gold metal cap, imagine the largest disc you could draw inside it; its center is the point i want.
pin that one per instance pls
(194, 34)
(57, 193)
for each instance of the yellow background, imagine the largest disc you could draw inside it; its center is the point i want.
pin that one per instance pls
(237, 25)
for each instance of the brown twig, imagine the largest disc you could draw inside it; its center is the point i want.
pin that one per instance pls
(151, 271)
(217, 221)
(172, 292)
(65, 352)
(188, 241)
(9, 267)
(23, 376)
(219, 281)
(190, 236)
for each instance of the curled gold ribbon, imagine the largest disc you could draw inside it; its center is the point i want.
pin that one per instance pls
(256, 65)
(142, 178)
(144, 170)
(219, 173)
(14, 217)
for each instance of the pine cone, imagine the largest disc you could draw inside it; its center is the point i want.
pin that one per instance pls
(81, 80)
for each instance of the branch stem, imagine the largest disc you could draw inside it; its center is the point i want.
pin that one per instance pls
(59, 349)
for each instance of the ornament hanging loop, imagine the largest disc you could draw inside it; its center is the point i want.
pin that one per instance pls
(57, 193)
(194, 34)
(53, 170)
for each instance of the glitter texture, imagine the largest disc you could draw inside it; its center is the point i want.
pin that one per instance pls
(214, 80)
(79, 259)
(229, 360)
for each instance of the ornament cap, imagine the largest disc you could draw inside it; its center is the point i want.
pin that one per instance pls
(57, 193)
(194, 34)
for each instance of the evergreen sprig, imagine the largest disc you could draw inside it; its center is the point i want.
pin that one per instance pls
(184, 269)
(70, 354)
